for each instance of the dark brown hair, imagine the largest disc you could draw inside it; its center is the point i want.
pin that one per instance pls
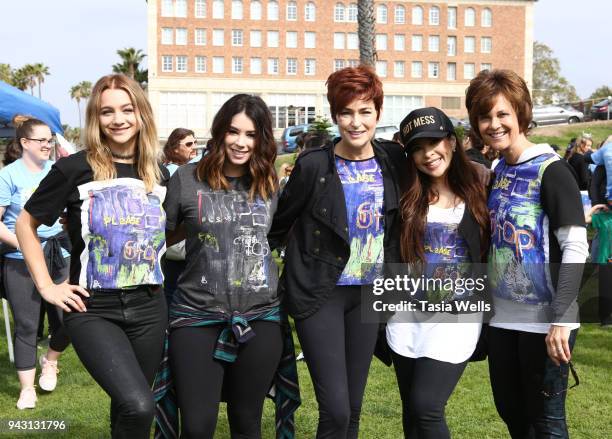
(350, 83)
(24, 127)
(414, 204)
(171, 154)
(261, 164)
(487, 85)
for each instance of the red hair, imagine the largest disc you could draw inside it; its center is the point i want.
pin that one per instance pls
(351, 83)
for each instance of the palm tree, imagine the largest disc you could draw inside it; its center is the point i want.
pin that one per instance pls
(366, 32)
(19, 79)
(131, 59)
(26, 74)
(80, 91)
(40, 71)
(6, 73)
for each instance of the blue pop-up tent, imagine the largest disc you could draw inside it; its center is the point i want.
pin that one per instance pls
(14, 101)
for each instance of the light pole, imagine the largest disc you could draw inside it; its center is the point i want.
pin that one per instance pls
(609, 102)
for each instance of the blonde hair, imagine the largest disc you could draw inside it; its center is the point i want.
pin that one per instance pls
(147, 146)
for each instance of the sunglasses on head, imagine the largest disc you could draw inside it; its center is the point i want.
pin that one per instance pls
(190, 144)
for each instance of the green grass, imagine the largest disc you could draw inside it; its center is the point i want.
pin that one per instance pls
(562, 134)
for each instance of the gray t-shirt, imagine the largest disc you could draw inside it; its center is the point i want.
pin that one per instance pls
(229, 263)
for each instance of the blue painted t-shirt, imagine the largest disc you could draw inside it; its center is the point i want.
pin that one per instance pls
(603, 156)
(364, 196)
(17, 184)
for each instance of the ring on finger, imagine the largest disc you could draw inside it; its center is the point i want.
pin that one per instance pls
(67, 300)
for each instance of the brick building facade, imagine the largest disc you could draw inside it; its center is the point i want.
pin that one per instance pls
(201, 52)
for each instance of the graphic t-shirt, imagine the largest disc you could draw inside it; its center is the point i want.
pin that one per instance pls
(452, 337)
(364, 195)
(602, 221)
(117, 229)
(17, 184)
(229, 263)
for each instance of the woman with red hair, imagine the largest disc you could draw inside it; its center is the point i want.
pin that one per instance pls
(339, 210)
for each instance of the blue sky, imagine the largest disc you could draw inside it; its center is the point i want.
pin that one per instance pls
(78, 40)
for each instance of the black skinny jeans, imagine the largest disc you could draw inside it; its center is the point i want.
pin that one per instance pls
(199, 379)
(119, 340)
(425, 386)
(338, 350)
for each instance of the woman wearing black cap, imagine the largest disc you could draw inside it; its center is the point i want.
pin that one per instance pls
(445, 223)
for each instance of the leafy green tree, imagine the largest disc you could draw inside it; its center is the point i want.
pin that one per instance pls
(321, 125)
(548, 84)
(601, 92)
(26, 74)
(39, 70)
(130, 65)
(6, 73)
(366, 32)
(81, 91)
(19, 79)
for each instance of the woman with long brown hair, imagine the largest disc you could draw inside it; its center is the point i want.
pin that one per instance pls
(226, 328)
(115, 312)
(445, 224)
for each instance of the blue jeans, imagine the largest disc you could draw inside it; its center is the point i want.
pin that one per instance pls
(520, 370)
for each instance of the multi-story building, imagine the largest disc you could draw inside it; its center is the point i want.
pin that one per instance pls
(201, 52)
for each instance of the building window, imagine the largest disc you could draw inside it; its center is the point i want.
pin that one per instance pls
(353, 11)
(310, 11)
(338, 64)
(218, 8)
(310, 66)
(399, 69)
(400, 14)
(291, 11)
(339, 12)
(237, 37)
(417, 69)
(381, 14)
(273, 10)
(469, 70)
(292, 66)
(399, 42)
(255, 38)
(352, 41)
(470, 17)
(338, 40)
(486, 44)
(417, 43)
(181, 36)
(255, 66)
(452, 17)
(218, 64)
(381, 41)
(200, 37)
(381, 68)
(272, 66)
(353, 62)
(434, 16)
(237, 10)
(181, 63)
(167, 35)
(167, 10)
(469, 44)
(451, 71)
(486, 66)
(451, 102)
(291, 40)
(200, 8)
(218, 37)
(200, 64)
(167, 63)
(434, 43)
(310, 40)
(486, 19)
(237, 66)
(256, 10)
(434, 70)
(451, 45)
(417, 15)
(180, 9)
(272, 38)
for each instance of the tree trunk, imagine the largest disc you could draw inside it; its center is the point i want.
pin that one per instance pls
(366, 32)
(39, 89)
(79, 107)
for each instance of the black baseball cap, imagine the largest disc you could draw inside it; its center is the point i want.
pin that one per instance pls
(430, 122)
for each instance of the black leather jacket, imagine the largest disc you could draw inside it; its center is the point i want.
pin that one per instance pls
(312, 221)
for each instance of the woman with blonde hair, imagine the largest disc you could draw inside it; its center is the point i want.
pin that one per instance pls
(112, 191)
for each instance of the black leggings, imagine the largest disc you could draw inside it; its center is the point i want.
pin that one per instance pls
(425, 386)
(338, 350)
(520, 369)
(26, 304)
(199, 379)
(119, 340)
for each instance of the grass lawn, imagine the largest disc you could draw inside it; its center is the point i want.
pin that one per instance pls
(561, 134)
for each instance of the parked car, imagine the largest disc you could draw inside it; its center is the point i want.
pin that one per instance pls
(385, 131)
(599, 111)
(552, 114)
(290, 133)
